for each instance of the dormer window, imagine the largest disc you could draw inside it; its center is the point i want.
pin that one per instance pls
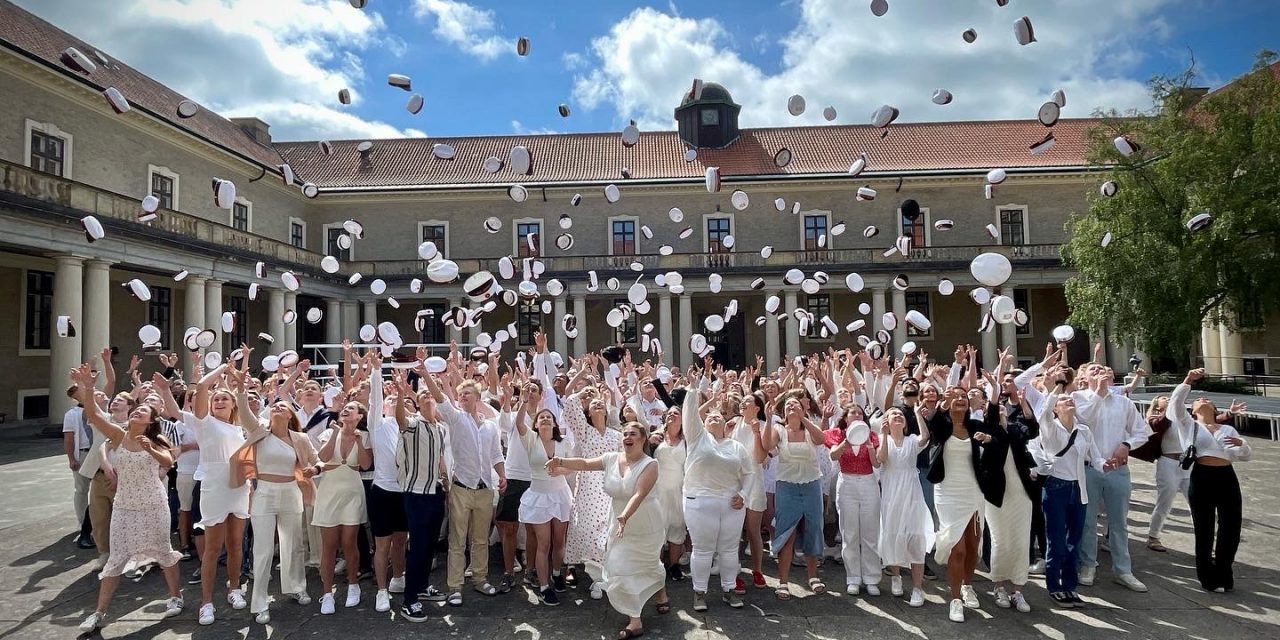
(710, 121)
(710, 117)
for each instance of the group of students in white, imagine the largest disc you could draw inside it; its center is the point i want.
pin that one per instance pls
(592, 466)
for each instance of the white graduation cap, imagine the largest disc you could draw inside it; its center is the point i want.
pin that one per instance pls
(289, 280)
(74, 58)
(228, 321)
(884, 116)
(1023, 31)
(782, 158)
(1200, 221)
(314, 315)
(1126, 146)
(611, 193)
(116, 99)
(180, 276)
(414, 105)
(329, 264)
(1064, 333)
(676, 214)
(1108, 188)
(980, 295)
(713, 179)
(522, 49)
(93, 230)
(969, 35)
(1003, 309)
(139, 289)
(518, 193)
(858, 166)
(377, 286)
(310, 190)
(901, 282)
(66, 329)
(400, 80)
(996, 176)
(492, 164)
(443, 151)
(1049, 113)
(224, 193)
(942, 96)
(854, 282)
(344, 96)
(1059, 97)
(740, 200)
(946, 287)
(520, 160)
(829, 113)
(991, 269)
(442, 271)
(879, 8)
(918, 321)
(187, 109)
(1043, 145)
(630, 135)
(766, 251)
(864, 308)
(253, 291)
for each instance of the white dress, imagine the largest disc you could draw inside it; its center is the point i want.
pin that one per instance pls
(340, 498)
(958, 498)
(548, 497)
(632, 570)
(906, 527)
(670, 487)
(218, 440)
(1009, 525)
(586, 537)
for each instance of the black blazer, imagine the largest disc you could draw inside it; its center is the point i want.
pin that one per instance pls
(1012, 440)
(940, 429)
(672, 399)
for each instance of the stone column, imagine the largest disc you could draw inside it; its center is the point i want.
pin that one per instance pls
(97, 310)
(1008, 332)
(193, 306)
(1231, 351)
(64, 353)
(275, 321)
(687, 356)
(1211, 347)
(559, 309)
(877, 308)
(213, 309)
(772, 350)
(579, 312)
(664, 322)
(990, 352)
(369, 313)
(900, 310)
(333, 329)
(793, 325)
(291, 330)
(351, 320)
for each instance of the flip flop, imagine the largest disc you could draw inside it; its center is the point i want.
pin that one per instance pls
(816, 585)
(626, 633)
(782, 592)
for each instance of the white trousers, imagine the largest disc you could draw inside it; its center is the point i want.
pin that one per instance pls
(1170, 481)
(715, 528)
(80, 499)
(290, 528)
(858, 505)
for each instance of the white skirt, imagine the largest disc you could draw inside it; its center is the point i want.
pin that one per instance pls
(542, 505)
(218, 500)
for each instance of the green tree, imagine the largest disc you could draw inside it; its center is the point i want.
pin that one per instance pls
(1217, 153)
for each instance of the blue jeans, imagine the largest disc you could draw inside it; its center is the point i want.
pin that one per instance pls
(1063, 525)
(425, 514)
(1109, 490)
(927, 488)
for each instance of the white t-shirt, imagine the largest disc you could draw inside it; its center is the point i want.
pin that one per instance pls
(385, 437)
(187, 460)
(73, 422)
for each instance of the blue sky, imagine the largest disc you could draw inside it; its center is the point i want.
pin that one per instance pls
(613, 61)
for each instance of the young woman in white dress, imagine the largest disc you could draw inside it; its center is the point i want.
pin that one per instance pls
(632, 570)
(340, 501)
(671, 454)
(547, 505)
(748, 429)
(906, 526)
(586, 415)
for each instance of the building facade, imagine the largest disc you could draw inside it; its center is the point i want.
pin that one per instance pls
(66, 154)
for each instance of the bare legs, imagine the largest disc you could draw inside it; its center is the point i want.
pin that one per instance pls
(228, 533)
(964, 558)
(755, 539)
(330, 539)
(389, 550)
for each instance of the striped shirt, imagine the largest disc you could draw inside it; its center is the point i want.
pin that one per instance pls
(420, 457)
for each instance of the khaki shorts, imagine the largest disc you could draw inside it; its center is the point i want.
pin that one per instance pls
(186, 489)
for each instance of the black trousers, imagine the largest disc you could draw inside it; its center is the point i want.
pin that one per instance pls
(1214, 496)
(1039, 547)
(426, 515)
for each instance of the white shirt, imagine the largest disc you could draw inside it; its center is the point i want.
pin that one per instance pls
(1208, 443)
(473, 445)
(1054, 437)
(517, 455)
(651, 411)
(712, 468)
(1114, 420)
(187, 460)
(73, 422)
(385, 441)
(418, 458)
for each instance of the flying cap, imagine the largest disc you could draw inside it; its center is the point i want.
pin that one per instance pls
(871, 231)
(400, 80)
(224, 193)
(1048, 113)
(611, 193)
(564, 241)
(879, 8)
(1059, 97)
(310, 190)
(771, 305)
(66, 329)
(829, 113)
(1003, 309)
(253, 291)
(228, 321)
(93, 230)
(1042, 145)
(1023, 31)
(969, 35)
(993, 231)
(1064, 333)
(756, 284)
(1126, 146)
(344, 96)
(943, 224)
(522, 49)
(690, 155)
(443, 150)
(918, 321)
(181, 275)
(630, 135)
(866, 194)
(116, 99)
(997, 176)
(1106, 240)
(980, 295)
(442, 271)
(889, 321)
(910, 209)
(139, 289)
(1108, 188)
(289, 280)
(713, 179)
(795, 105)
(520, 160)
(946, 287)
(329, 264)
(1200, 221)
(355, 277)
(378, 286)
(782, 158)
(854, 282)
(187, 109)
(901, 282)
(740, 200)
(78, 61)
(493, 224)
(676, 214)
(314, 315)
(942, 96)
(991, 269)
(884, 116)
(518, 193)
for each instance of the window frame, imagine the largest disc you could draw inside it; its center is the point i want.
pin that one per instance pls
(241, 333)
(815, 330)
(423, 224)
(231, 217)
(1026, 222)
(351, 253)
(928, 227)
(1028, 330)
(702, 117)
(23, 394)
(22, 316)
(527, 308)
(804, 215)
(733, 226)
(166, 329)
(912, 332)
(152, 171)
(49, 129)
(517, 240)
(635, 220)
(302, 223)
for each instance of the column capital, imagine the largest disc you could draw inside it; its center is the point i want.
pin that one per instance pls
(100, 263)
(68, 258)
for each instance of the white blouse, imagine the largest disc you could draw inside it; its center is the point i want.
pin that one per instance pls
(1208, 442)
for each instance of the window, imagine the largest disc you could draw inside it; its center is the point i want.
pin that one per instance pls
(917, 301)
(298, 233)
(241, 214)
(528, 321)
(239, 306)
(48, 149)
(1022, 300)
(819, 305)
(436, 231)
(526, 248)
(815, 226)
(164, 185)
(710, 117)
(626, 333)
(331, 234)
(159, 313)
(433, 328)
(38, 325)
(622, 237)
(1013, 226)
(917, 230)
(717, 229)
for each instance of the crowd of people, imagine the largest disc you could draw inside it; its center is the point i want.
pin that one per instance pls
(613, 474)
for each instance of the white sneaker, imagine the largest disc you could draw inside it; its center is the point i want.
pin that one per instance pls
(917, 598)
(1087, 576)
(596, 592)
(1133, 584)
(326, 604)
(517, 567)
(396, 585)
(301, 597)
(93, 622)
(853, 589)
(1002, 598)
(353, 595)
(236, 598)
(206, 614)
(1021, 603)
(340, 565)
(873, 589)
(956, 611)
(468, 573)
(895, 586)
(381, 602)
(684, 558)
(263, 617)
(1037, 568)
(173, 607)
(969, 596)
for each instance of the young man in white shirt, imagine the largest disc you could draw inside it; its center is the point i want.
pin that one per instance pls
(77, 437)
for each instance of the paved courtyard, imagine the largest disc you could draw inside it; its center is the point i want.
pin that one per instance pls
(47, 586)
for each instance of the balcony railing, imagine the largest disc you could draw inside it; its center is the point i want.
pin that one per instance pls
(84, 199)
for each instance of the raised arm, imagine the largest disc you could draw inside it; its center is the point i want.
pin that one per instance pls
(82, 376)
(108, 373)
(691, 421)
(200, 403)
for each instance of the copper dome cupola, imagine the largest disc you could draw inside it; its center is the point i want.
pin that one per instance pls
(710, 119)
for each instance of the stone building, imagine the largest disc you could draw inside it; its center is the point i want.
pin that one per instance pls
(65, 154)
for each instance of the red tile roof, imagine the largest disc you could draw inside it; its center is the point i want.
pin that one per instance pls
(43, 42)
(600, 157)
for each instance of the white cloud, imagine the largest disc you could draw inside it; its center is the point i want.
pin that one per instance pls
(519, 128)
(461, 24)
(283, 61)
(574, 61)
(844, 56)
